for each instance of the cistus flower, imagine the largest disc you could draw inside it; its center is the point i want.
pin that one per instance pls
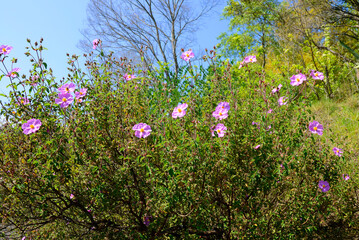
(146, 220)
(142, 130)
(256, 147)
(72, 196)
(67, 88)
(96, 43)
(187, 55)
(316, 127)
(324, 186)
(338, 151)
(22, 100)
(270, 110)
(220, 129)
(298, 79)
(179, 111)
(250, 59)
(5, 49)
(282, 101)
(223, 105)
(14, 72)
(128, 77)
(81, 93)
(65, 99)
(317, 75)
(345, 177)
(277, 88)
(31, 126)
(220, 113)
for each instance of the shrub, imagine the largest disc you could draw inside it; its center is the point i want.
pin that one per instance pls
(84, 173)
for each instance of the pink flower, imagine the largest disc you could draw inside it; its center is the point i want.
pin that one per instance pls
(338, 151)
(179, 111)
(223, 106)
(324, 186)
(298, 79)
(128, 77)
(345, 177)
(221, 113)
(65, 99)
(5, 49)
(96, 43)
(14, 72)
(316, 127)
(220, 129)
(241, 65)
(31, 126)
(270, 110)
(22, 100)
(317, 75)
(281, 101)
(72, 196)
(67, 88)
(187, 55)
(250, 59)
(277, 88)
(81, 93)
(142, 130)
(256, 147)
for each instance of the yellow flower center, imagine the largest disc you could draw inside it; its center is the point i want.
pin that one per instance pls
(81, 93)
(179, 110)
(22, 101)
(220, 114)
(64, 99)
(218, 130)
(250, 60)
(316, 74)
(338, 151)
(222, 106)
(323, 186)
(67, 89)
(315, 128)
(142, 130)
(4, 49)
(32, 126)
(298, 80)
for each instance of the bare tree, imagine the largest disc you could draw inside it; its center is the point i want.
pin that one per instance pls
(152, 29)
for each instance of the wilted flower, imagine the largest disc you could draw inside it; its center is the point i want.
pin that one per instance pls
(142, 130)
(338, 151)
(31, 126)
(5, 49)
(220, 129)
(316, 127)
(187, 55)
(180, 110)
(14, 72)
(324, 186)
(67, 88)
(298, 79)
(282, 101)
(81, 93)
(223, 105)
(96, 43)
(250, 59)
(317, 75)
(346, 177)
(220, 113)
(256, 147)
(277, 88)
(65, 99)
(146, 220)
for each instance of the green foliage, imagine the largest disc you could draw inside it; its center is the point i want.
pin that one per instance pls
(185, 182)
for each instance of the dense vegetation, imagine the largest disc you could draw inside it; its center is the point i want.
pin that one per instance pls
(246, 147)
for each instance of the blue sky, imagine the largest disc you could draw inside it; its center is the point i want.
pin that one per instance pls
(59, 23)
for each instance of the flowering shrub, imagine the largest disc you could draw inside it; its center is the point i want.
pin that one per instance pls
(118, 165)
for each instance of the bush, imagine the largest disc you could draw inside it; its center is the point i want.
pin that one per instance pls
(84, 173)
